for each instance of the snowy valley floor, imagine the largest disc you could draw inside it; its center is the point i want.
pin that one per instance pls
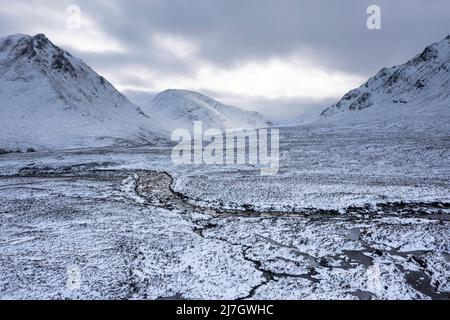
(350, 216)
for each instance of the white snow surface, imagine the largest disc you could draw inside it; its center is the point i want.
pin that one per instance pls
(413, 96)
(115, 214)
(52, 100)
(178, 109)
(385, 141)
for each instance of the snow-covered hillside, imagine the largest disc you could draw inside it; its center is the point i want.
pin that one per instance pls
(52, 100)
(175, 109)
(416, 93)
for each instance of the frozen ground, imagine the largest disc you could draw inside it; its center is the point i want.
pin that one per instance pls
(333, 168)
(355, 215)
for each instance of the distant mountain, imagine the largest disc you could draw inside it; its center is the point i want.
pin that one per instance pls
(418, 90)
(175, 109)
(50, 99)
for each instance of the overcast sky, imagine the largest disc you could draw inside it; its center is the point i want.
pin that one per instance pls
(279, 57)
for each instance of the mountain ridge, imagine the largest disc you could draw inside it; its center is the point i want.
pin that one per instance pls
(179, 108)
(424, 78)
(50, 99)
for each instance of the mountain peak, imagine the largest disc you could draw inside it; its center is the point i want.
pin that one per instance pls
(180, 93)
(60, 100)
(39, 41)
(423, 80)
(41, 36)
(176, 108)
(18, 36)
(39, 50)
(436, 51)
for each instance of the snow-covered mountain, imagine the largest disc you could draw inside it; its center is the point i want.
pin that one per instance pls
(175, 109)
(50, 99)
(417, 92)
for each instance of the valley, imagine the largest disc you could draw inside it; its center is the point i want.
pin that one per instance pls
(357, 208)
(138, 228)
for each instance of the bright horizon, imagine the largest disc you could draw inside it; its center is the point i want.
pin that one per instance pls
(281, 67)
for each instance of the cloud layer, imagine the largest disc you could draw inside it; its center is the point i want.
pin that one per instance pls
(280, 57)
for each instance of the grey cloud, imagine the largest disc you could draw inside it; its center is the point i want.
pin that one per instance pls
(333, 31)
(229, 32)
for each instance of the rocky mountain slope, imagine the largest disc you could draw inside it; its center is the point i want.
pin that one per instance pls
(418, 90)
(175, 109)
(50, 99)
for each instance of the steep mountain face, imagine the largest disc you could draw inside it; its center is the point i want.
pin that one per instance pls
(50, 99)
(175, 109)
(418, 88)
